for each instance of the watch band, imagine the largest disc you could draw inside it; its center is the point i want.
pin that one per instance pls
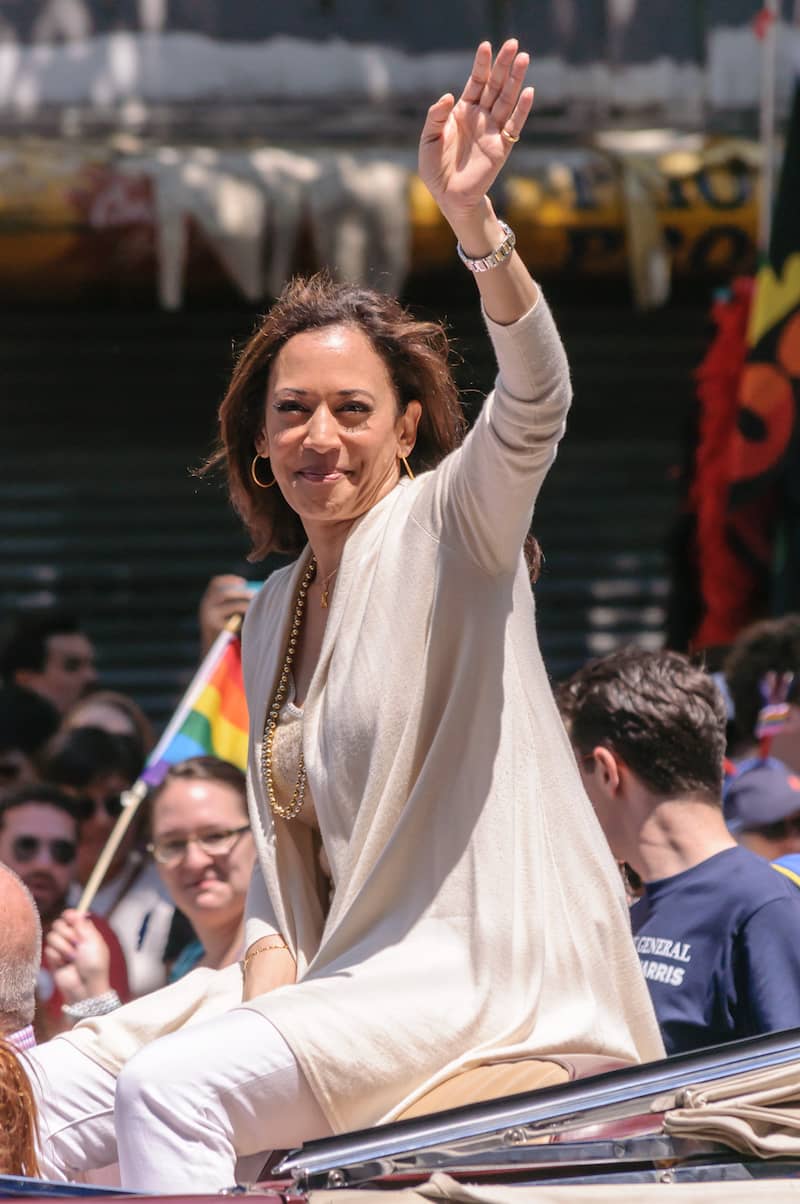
(494, 258)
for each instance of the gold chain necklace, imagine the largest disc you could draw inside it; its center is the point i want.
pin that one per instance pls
(325, 586)
(294, 807)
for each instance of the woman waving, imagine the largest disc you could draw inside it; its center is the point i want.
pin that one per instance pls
(432, 892)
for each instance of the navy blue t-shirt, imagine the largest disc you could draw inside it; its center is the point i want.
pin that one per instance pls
(720, 949)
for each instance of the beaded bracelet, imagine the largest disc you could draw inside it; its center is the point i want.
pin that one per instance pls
(261, 949)
(97, 1005)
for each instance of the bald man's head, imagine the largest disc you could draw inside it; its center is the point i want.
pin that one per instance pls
(20, 952)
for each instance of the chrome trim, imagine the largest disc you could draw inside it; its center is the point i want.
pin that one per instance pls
(487, 1127)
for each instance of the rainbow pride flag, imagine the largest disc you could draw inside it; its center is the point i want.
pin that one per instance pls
(212, 716)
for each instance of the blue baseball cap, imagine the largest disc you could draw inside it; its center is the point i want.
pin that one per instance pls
(761, 791)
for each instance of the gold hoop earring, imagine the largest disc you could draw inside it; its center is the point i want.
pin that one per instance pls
(406, 466)
(260, 484)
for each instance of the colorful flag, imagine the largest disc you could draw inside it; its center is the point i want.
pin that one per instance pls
(746, 494)
(212, 717)
(713, 591)
(764, 495)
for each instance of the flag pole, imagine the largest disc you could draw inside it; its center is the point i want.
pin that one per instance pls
(134, 796)
(766, 132)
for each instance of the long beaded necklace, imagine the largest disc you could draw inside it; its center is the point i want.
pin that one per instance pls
(295, 806)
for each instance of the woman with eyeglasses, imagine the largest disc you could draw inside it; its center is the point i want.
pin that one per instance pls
(204, 850)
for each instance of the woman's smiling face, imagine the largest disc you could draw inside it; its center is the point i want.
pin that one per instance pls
(209, 888)
(333, 426)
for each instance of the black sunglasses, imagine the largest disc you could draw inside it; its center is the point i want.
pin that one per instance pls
(62, 852)
(111, 804)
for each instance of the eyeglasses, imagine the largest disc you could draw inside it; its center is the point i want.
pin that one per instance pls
(26, 848)
(780, 829)
(213, 844)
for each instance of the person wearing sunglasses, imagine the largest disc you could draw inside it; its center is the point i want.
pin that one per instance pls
(47, 651)
(99, 765)
(205, 853)
(96, 765)
(39, 836)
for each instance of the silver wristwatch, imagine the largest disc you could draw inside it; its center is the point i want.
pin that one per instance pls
(494, 258)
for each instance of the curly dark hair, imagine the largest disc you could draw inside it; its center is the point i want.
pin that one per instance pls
(660, 713)
(416, 354)
(77, 756)
(770, 645)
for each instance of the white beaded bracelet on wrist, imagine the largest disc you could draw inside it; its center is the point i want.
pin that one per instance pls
(98, 1005)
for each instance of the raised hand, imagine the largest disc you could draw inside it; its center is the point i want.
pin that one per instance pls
(465, 143)
(224, 597)
(77, 957)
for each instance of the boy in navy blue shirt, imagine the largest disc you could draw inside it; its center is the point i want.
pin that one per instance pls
(717, 929)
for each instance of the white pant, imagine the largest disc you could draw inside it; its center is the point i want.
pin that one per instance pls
(182, 1111)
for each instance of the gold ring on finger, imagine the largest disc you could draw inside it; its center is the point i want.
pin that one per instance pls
(509, 137)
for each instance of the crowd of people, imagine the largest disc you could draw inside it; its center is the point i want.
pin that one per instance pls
(701, 813)
(432, 866)
(175, 891)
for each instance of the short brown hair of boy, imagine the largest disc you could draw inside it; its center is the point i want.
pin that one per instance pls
(416, 354)
(661, 714)
(772, 645)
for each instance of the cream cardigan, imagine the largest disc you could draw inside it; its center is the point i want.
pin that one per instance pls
(477, 911)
